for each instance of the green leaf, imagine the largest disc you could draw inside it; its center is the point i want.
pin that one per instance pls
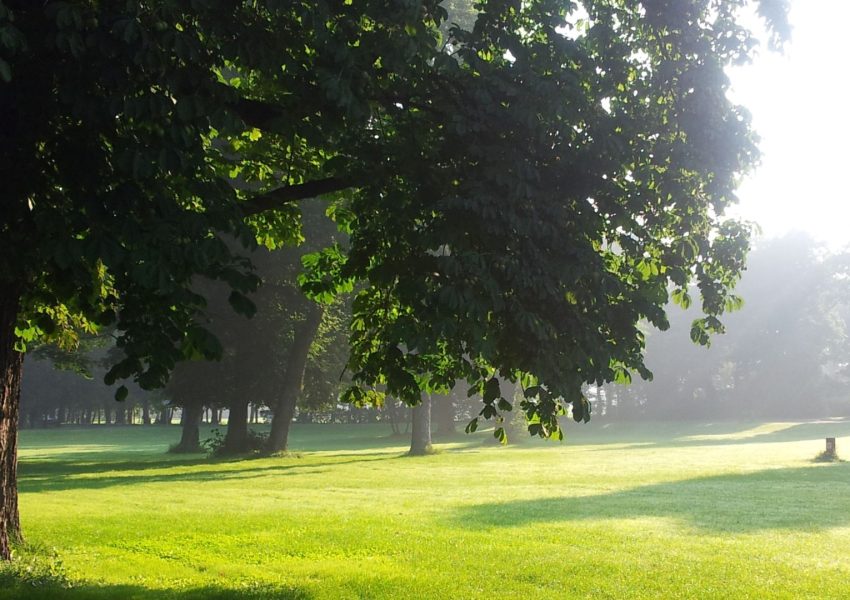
(121, 393)
(242, 304)
(491, 390)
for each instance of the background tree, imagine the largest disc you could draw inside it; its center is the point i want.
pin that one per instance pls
(781, 359)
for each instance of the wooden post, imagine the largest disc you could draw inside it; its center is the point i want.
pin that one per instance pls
(830, 446)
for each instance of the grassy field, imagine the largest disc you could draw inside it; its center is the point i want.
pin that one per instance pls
(618, 511)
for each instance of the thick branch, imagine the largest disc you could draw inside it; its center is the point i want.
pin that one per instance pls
(282, 196)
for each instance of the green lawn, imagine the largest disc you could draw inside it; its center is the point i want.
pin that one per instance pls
(618, 511)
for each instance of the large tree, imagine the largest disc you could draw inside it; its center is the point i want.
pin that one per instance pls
(519, 193)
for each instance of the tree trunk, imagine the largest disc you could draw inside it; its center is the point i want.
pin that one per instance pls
(190, 441)
(237, 427)
(444, 414)
(390, 412)
(420, 437)
(293, 379)
(11, 368)
(146, 412)
(215, 419)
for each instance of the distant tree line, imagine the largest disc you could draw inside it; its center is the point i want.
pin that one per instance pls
(785, 354)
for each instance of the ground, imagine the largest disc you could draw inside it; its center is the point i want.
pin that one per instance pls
(618, 511)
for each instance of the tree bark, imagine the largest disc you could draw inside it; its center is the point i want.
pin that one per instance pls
(11, 369)
(237, 427)
(444, 414)
(146, 412)
(190, 440)
(293, 379)
(420, 437)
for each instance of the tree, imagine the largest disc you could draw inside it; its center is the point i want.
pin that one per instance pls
(782, 357)
(518, 194)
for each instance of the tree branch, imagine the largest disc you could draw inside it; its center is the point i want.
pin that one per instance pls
(282, 196)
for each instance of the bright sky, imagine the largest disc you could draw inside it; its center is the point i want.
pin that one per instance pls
(799, 103)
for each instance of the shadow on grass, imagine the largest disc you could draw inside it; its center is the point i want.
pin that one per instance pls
(44, 476)
(23, 590)
(37, 572)
(807, 498)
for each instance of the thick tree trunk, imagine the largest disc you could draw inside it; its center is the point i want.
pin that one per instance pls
(293, 379)
(443, 410)
(235, 440)
(215, 417)
(11, 368)
(420, 436)
(146, 412)
(190, 441)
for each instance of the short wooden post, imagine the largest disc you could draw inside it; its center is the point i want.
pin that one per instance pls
(830, 446)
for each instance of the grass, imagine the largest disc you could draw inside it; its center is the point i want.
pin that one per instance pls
(617, 511)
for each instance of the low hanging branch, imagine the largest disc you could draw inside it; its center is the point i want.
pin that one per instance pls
(281, 196)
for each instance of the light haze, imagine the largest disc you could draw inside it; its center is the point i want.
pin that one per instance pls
(795, 101)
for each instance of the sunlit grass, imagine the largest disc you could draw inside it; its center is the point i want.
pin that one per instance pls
(642, 511)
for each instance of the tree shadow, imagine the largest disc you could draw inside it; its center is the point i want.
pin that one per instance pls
(85, 591)
(61, 475)
(806, 498)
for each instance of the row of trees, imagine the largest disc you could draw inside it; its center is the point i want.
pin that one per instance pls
(784, 356)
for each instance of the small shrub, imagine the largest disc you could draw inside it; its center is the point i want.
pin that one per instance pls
(255, 443)
(34, 567)
(214, 444)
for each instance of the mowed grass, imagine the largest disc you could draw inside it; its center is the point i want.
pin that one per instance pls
(616, 511)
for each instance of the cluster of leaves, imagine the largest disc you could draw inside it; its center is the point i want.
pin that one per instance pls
(784, 356)
(536, 192)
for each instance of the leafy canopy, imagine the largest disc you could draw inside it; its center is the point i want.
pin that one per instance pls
(518, 192)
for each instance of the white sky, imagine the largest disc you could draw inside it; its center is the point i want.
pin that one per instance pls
(798, 101)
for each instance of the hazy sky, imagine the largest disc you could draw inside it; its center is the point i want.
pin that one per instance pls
(798, 101)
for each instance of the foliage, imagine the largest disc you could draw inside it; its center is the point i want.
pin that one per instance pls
(255, 350)
(34, 569)
(520, 190)
(784, 356)
(571, 181)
